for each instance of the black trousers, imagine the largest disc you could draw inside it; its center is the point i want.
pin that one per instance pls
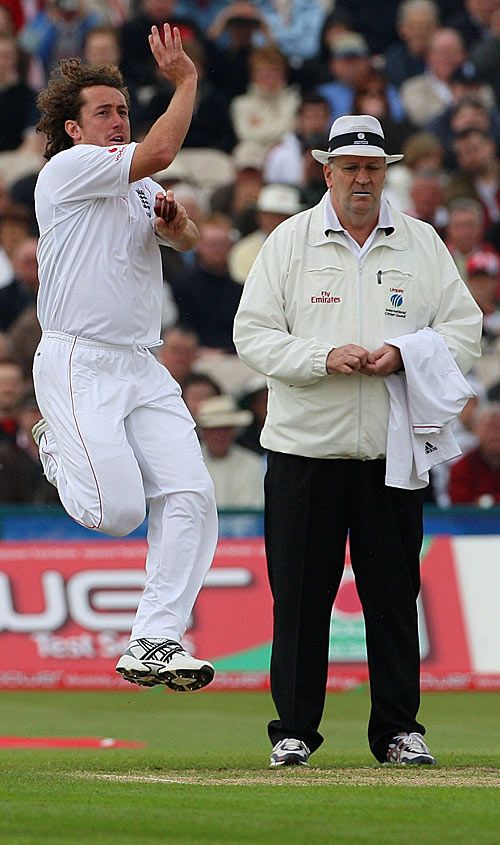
(312, 506)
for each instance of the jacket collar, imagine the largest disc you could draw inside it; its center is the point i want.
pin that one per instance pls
(397, 239)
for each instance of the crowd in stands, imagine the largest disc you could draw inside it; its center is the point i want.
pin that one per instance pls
(273, 75)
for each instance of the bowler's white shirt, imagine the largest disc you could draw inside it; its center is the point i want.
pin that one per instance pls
(99, 262)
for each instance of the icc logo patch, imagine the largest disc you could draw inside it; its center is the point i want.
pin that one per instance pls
(396, 300)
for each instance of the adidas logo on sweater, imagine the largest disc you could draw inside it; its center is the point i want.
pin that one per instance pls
(429, 448)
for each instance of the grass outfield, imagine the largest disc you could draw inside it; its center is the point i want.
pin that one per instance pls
(203, 777)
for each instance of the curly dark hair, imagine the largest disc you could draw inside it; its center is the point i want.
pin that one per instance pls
(62, 99)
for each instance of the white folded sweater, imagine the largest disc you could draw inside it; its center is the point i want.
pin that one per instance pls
(425, 399)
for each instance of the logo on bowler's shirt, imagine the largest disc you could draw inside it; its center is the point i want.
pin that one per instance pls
(119, 150)
(144, 201)
(396, 298)
(326, 296)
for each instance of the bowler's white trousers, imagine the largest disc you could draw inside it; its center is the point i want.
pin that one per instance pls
(120, 436)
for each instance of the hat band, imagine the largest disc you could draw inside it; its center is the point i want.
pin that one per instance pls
(355, 139)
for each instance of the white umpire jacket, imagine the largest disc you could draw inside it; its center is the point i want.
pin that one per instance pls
(307, 293)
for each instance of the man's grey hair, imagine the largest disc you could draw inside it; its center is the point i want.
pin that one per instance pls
(411, 5)
(465, 204)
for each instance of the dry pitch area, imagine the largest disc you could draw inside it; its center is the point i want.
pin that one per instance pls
(468, 776)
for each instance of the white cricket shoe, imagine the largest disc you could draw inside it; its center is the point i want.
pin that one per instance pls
(290, 752)
(409, 750)
(149, 662)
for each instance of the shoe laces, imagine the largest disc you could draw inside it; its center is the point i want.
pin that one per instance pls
(292, 745)
(160, 649)
(412, 741)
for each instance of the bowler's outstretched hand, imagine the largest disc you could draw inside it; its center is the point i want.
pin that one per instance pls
(172, 61)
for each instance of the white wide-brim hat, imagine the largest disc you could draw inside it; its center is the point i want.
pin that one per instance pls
(279, 199)
(222, 412)
(355, 135)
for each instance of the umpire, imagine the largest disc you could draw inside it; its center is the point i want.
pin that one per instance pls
(329, 287)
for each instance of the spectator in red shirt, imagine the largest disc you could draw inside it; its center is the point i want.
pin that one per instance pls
(475, 478)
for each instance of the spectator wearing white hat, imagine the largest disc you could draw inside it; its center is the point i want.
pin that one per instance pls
(321, 316)
(237, 473)
(275, 204)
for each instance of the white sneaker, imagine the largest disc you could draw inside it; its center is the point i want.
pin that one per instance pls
(409, 750)
(290, 752)
(149, 662)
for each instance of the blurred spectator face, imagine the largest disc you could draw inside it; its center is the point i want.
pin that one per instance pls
(12, 387)
(25, 263)
(333, 32)
(371, 99)
(423, 152)
(483, 288)
(465, 229)
(8, 60)
(102, 48)
(483, 276)
(247, 185)
(270, 77)
(195, 211)
(350, 70)
(196, 393)
(474, 153)
(488, 434)
(312, 169)
(213, 247)
(446, 53)
(470, 117)
(13, 229)
(313, 119)
(219, 440)
(482, 9)
(159, 10)
(179, 352)
(417, 27)
(67, 9)
(426, 193)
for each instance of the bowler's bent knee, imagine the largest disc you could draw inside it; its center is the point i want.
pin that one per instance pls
(118, 521)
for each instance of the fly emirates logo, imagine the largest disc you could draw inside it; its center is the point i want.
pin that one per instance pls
(325, 296)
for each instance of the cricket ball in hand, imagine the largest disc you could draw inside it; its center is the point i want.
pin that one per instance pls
(166, 209)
